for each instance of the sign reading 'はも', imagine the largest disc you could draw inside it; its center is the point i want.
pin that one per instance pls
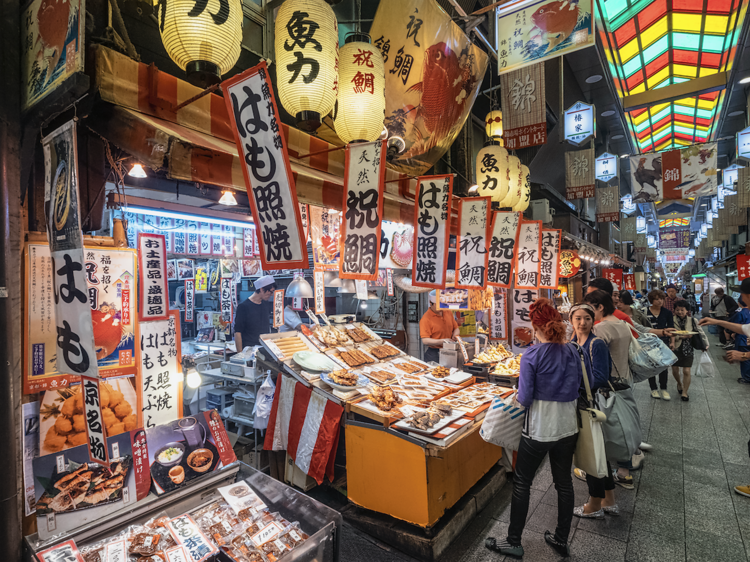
(432, 213)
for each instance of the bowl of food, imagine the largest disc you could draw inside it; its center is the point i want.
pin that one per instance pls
(200, 460)
(170, 454)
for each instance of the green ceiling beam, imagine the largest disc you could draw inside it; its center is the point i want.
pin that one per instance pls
(674, 92)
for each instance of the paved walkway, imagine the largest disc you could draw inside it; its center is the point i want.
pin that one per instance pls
(683, 507)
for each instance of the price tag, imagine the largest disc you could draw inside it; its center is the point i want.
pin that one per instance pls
(361, 286)
(51, 523)
(462, 345)
(325, 319)
(267, 533)
(312, 317)
(177, 554)
(476, 346)
(60, 460)
(117, 551)
(115, 450)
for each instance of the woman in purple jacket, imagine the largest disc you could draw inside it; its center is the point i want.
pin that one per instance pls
(551, 376)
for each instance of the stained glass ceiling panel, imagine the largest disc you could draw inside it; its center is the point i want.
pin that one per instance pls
(651, 44)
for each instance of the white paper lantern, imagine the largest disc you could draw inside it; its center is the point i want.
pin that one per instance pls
(360, 108)
(494, 124)
(515, 183)
(523, 202)
(492, 172)
(202, 38)
(307, 50)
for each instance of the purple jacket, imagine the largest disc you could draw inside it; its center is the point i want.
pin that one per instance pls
(551, 371)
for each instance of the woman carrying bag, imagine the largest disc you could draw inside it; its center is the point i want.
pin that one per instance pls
(548, 386)
(685, 345)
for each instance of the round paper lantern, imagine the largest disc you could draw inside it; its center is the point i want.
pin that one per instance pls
(202, 38)
(492, 175)
(494, 124)
(523, 202)
(360, 107)
(569, 262)
(307, 51)
(514, 182)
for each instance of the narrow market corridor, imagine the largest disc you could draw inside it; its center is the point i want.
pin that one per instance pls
(683, 506)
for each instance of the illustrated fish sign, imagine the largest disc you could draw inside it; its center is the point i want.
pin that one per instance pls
(530, 31)
(432, 213)
(268, 175)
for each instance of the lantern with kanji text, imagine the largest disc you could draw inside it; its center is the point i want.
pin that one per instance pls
(492, 171)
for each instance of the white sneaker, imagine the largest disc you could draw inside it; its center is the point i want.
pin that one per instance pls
(665, 395)
(646, 447)
(655, 394)
(637, 459)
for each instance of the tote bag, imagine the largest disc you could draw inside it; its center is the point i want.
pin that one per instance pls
(622, 430)
(590, 454)
(503, 423)
(648, 356)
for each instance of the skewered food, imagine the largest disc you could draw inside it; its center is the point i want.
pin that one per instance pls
(385, 398)
(384, 351)
(291, 345)
(409, 367)
(355, 358)
(344, 378)
(440, 372)
(492, 355)
(358, 335)
(331, 336)
(380, 376)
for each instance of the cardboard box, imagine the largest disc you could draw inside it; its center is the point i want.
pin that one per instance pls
(449, 358)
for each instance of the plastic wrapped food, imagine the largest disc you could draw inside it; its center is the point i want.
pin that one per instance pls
(145, 544)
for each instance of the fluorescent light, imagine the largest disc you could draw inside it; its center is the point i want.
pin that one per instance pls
(618, 137)
(745, 80)
(736, 113)
(473, 188)
(137, 171)
(594, 78)
(184, 216)
(227, 199)
(607, 113)
(624, 155)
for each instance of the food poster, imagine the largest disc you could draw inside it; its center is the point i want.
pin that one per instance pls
(71, 491)
(185, 449)
(396, 246)
(325, 225)
(454, 299)
(537, 30)
(201, 277)
(30, 443)
(522, 332)
(171, 270)
(251, 268)
(61, 416)
(111, 281)
(185, 269)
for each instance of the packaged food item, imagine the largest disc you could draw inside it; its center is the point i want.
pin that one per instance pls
(145, 543)
(293, 535)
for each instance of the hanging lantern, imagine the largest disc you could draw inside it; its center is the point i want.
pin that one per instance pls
(360, 107)
(307, 51)
(494, 124)
(523, 202)
(202, 38)
(492, 171)
(514, 182)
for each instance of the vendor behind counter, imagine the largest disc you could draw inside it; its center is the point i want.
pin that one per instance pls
(436, 327)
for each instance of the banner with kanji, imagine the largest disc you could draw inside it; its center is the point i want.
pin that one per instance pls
(471, 242)
(676, 174)
(629, 280)
(499, 315)
(608, 204)
(678, 238)
(580, 176)
(743, 267)
(526, 264)
(549, 264)
(503, 246)
(628, 227)
(431, 231)
(614, 275)
(524, 107)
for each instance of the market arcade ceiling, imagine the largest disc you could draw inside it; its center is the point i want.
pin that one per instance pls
(662, 51)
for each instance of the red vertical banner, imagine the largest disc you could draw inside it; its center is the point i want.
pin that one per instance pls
(141, 470)
(432, 215)
(743, 267)
(472, 242)
(671, 165)
(221, 439)
(528, 256)
(615, 277)
(629, 280)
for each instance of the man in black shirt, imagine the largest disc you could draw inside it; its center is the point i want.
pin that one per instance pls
(253, 316)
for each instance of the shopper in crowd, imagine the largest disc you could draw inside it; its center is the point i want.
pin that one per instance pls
(705, 303)
(548, 386)
(684, 347)
(661, 319)
(740, 325)
(601, 490)
(253, 316)
(626, 305)
(602, 284)
(670, 298)
(436, 327)
(722, 308)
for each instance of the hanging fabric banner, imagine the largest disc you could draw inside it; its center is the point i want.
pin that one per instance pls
(641, 243)
(499, 315)
(180, 237)
(608, 204)
(471, 242)
(736, 215)
(550, 263)
(324, 233)
(614, 276)
(629, 281)
(166, 227)
(389, 281)
(432, 231)
(206, 239)
(75, 351)
(502, 248)
(161, 365)
(523, 332)
(225, 294)
(743, 267)
(363, 210)
(228, 240)
(526, 264)
(247, 242)
(628, 226)
(189, 300)
(217, 240)
(525, 107)
(304, 213)
(579, 174)
(671, 165)
(743, 188)
(268, 175)
(646, 178)
(320, 292)
(152, 271)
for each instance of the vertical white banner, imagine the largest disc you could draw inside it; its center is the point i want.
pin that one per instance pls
(152, 270)
(499, 319)
(522, 333)
(471, 242)
(550, 263)
(226, 299)
(320, 292)
(503, 246)
(189, 300)
(278, 308)
(92, 412)
(432, 214)
(528, 255)
(161, 392)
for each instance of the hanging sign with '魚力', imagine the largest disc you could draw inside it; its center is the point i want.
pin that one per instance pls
(528, 255)
(471, 242)
(550, 263)
(432, 213)
(525, 107)
(579, 174)
(152, 261)
(268, 174)
(363, 210)
(75, 351)
(503, 246)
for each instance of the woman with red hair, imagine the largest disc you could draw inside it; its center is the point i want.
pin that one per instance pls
(548, 386)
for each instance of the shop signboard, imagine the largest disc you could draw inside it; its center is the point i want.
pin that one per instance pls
(614, 275)
(363, 210)
(217, 240)
(161, 370)
(432, 212)
(523, 332)
(206, 240)
(325, 225)
(193, 238)
(225, 299)
(743, 144)
(189, 300)
(502, 248)
(499, 315)
(676, 238)
(110, 288)
(549, 265)
(641, 243)
(267, 170)
(629, 281)
(471, 242)
(228, 240)
(607, 167)
(525, 34)
(628, 226)
(569, 263)
(152, 261)
(608, 204)
(523, 98)
(729, 177)
(526, 266)
(180, 237)
(579, 174)
(743, 267)
(580, 123)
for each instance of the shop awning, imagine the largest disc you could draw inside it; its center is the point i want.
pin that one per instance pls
(196, 143)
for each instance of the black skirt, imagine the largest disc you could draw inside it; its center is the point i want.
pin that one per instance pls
(684, 354)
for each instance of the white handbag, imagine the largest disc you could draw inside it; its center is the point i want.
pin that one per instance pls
(503, 423)
(590, 454)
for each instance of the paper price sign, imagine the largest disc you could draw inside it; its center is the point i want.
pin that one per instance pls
(278, 308)
(320, 292)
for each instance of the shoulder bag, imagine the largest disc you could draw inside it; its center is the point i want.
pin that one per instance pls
(590, 454)
(622, 429)
(503, 423)
(696, 341)
(648, 356)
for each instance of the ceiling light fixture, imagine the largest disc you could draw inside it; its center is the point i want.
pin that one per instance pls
(607, 113)
(618, 137)
(473, 188)
(137, 171)
(594, 78)
(228, 199)
(736, 113)
(745, 80)
(624, 155)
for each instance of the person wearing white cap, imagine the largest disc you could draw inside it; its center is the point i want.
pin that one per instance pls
(436, 327)
(253, 316)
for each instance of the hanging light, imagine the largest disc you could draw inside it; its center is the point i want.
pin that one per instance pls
(691, 253)
(492, 171)
(494, 124)
(523, 202)
(137, 171)
(640, 225)
(473, 188)
(516, 183)
(299, 288)
(228, 199)
(360, 107)
(307, 51)
(204, 43)
(193, 379)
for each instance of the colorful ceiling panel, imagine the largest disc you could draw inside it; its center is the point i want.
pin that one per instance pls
(651, 44)
(671, 223)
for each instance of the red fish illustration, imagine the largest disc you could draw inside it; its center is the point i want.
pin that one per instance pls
(556, 21)
(107, 330)
(52, 18)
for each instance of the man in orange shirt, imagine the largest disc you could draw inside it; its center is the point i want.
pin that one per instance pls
(436, 327)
